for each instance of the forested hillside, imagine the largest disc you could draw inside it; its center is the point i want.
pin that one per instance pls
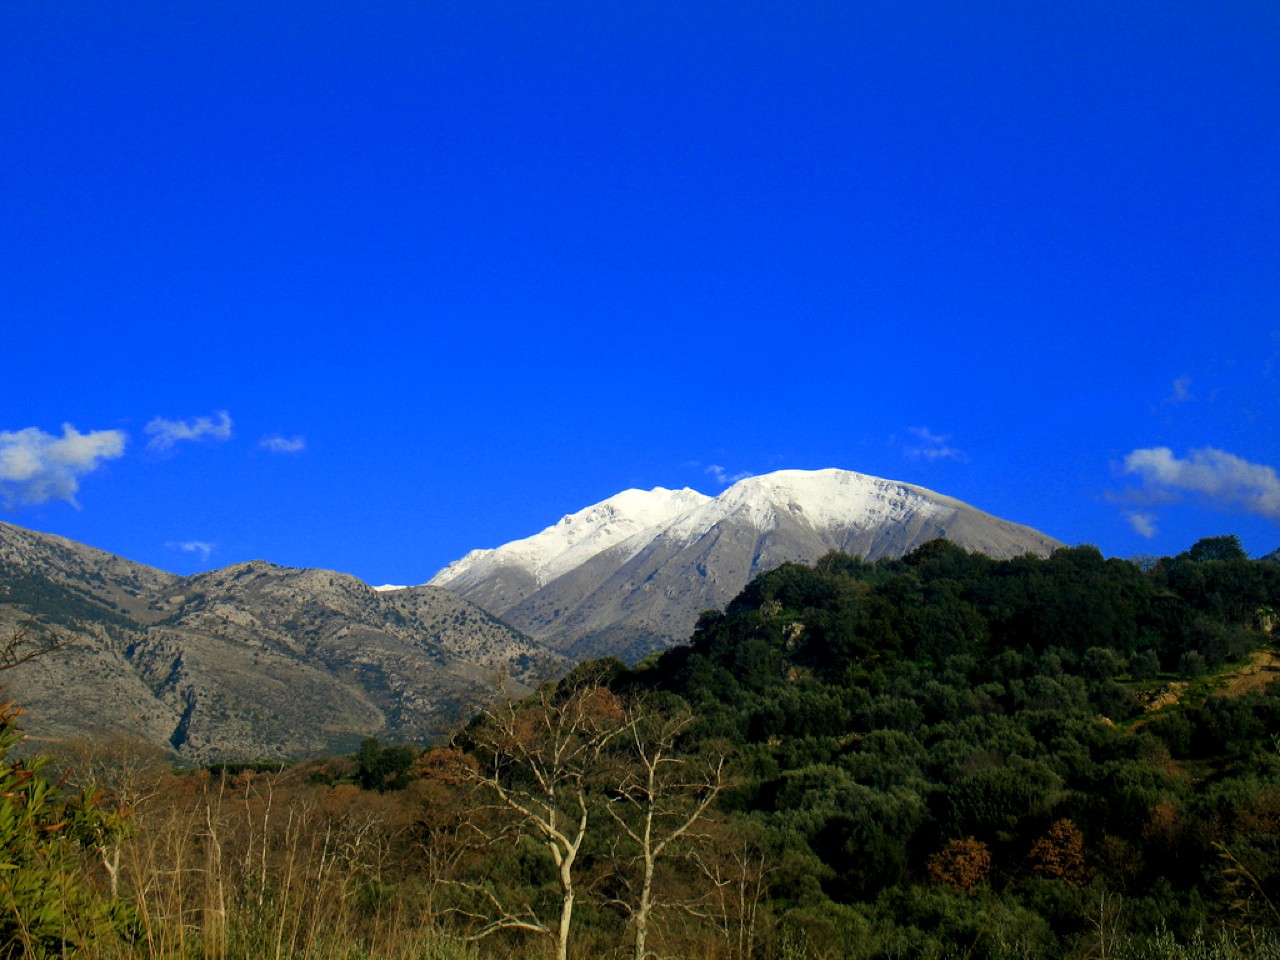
(959, 751)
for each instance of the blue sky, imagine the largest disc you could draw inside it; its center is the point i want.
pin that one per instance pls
(366, 286)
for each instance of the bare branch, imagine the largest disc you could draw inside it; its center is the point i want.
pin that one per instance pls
(539, 762)
(657, 803)
(506, 920)
(28, 640)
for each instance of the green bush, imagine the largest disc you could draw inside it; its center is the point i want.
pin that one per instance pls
(49, 904)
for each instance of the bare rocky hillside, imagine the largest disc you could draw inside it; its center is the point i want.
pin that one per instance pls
(246, 662)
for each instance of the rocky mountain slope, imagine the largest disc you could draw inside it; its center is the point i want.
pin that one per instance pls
(250, 661)
(257, 660)
(632, 573)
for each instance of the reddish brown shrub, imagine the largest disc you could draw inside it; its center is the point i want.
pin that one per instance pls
(1059, 854)
(962, 864)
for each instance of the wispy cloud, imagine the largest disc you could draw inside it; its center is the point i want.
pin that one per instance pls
(723, 477)
(928, 445)
(1144, 524)
(1220, 479)
(280, 444)
(166, 434)
(202, 548)
(36, 467)
(1181, 391)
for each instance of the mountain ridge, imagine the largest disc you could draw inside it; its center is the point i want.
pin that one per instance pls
(575, 538)
(251, 660)
(645, 584)
(260, 660)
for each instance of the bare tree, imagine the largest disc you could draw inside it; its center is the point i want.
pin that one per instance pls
(540, 764)
(739, 864)
(123, 773)
(27, 640)
(661, 800)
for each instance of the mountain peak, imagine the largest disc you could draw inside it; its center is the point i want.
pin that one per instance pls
(575, 538)
(645, 563)
(825, 498)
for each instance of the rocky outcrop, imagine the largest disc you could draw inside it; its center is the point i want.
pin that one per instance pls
(247, 662)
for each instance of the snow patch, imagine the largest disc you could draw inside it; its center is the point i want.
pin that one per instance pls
(578, 537)
(631, 520)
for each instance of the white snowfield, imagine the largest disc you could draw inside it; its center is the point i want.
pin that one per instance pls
(824, 499)
(624, 518)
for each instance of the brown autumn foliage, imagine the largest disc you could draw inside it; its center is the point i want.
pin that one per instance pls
(1262, 815)
(1059, 854)
(447, 765)
(962, 864)
(1162, 823)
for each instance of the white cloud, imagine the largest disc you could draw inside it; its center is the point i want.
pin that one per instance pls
(722, 476)
(36, 467)
(1222, 479)
(201, 547)
(279, 444)
(1144, 524)
(165, 434)
(931, 446)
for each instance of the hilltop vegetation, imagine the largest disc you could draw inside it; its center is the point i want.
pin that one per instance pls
(940, 755)
(962, 751)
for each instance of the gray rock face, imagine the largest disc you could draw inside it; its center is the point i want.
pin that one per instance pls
(251, 661)
(645, 592)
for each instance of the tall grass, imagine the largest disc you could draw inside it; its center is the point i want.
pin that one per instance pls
(260, 867)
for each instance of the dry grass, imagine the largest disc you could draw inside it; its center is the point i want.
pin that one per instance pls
(1263, 668)
(266, 866)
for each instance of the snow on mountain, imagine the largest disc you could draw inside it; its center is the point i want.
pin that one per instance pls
(577, 537)
(822, 499)
(633, 572)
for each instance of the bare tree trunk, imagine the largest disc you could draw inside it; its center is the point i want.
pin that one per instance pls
(657, 803)
(542, 764)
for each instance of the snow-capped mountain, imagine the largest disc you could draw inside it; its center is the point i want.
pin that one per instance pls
(509, 574)
(633, 572)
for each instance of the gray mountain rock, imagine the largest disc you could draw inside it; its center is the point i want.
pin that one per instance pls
(251, 661)
(590, 594)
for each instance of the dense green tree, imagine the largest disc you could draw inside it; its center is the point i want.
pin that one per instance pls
(1217, 548)
(383, 768)
(890, 708)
